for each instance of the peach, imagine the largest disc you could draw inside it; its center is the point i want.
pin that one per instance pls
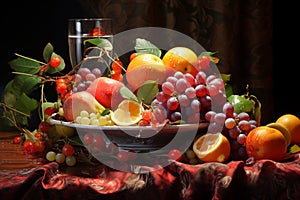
(79, 101)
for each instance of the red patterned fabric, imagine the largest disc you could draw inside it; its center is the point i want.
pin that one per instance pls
(264, 179)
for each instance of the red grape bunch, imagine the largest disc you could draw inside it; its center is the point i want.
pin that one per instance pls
(187, 98)
(84, 77)
(236, 127)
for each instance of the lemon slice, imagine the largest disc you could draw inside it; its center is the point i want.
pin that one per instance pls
(212, 147)
(128, 113)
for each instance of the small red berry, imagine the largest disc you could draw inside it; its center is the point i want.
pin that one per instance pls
(68, 150)
(117, 76)
(117, 66)
(38, 135)
(132, 56)
(44, 126)
(146, 115)
(123, 156)
(143, 122)
(174, 154)
(49, 111)
(204, 62)
(61, 88)
(88, 138)
(54, 61)
(29, 147)
(17, 140)
(39, 146)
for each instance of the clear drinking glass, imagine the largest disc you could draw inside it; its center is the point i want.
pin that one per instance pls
(87, 40)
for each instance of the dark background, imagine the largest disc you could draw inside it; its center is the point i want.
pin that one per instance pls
(29, 25)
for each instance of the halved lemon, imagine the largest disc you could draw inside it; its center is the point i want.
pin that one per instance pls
(212, 147)
(283, 130)
(128, 113)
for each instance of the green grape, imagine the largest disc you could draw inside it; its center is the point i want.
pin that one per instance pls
(78, 119)
(85, 120)
(190, 154)
(70, 160)
(84, 113)
(108, 117)
(102, 121)
(193, 161)
(51, 156)
(60, 158)
(110, 123)
(93, 115)
(94, 121)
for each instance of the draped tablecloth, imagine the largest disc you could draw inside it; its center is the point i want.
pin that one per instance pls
(265, 179)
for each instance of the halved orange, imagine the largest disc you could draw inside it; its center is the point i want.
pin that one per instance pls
(212, 147)
(128, 113)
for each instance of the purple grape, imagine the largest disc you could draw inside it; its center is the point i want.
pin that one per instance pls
(181, 85)
(175, 116)
(228, 109)
(167, 88)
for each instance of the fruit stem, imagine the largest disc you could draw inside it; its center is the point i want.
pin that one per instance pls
(30, 59)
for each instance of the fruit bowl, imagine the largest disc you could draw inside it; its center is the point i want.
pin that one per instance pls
(138, 138)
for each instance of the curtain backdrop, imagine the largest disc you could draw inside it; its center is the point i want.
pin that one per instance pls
(240, 31)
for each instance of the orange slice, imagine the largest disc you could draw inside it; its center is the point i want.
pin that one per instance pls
(212, 147)
(128, 113)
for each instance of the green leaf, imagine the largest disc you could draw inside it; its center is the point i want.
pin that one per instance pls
(100, 42)
(25, 83)
(128, 94)
(26, 104)
(143, 46)
(148, 91)
(22, 119)
(228, 87)
(8, 95)
(226, 77)
(257, 108)
(206, 53)
(228, 90)
(61, 66)
(47, 53)
(241, 104)
(25, 65)
(106, 111)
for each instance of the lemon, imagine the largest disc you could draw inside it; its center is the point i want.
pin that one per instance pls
(283, 130)
(212, 147)
(128, 113)
(181, 59)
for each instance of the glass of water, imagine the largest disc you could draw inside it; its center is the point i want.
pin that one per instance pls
(90, 42)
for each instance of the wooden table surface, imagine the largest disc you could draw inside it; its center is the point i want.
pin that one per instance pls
(12, 156)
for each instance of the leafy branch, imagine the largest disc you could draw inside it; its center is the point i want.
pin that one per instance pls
(17, 102)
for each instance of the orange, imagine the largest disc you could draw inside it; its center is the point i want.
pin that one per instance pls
(212, 147)
(182, 59)
(106, 91)
(264, 142)
(128, 113)
(145, 67)
(292, 123)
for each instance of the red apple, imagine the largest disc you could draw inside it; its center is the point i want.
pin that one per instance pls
(106, 91)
